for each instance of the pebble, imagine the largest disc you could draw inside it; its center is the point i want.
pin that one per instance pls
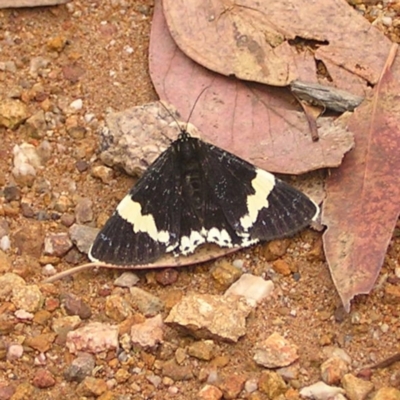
(254, 288)
(83, 236)
(12, 113)
(6, 391)
(25, 161)
(28, 297)
(122, 375)
(8, 283)
(126, 279)
(117, 308)
(177, 372)
(29, 240)
(95, 337)
(90, 387)
(57, 244)
(209, 392)
(275, 249)
(251, 385)
(36, 125)
(224, 273)
(281, 267)
(11, 193)
(320, 391)
(41, 342)
(14, 352)
(275, 352)
(76, 105)
(232, 385)
(202, 350)
(211, 316)
(43, 379)
(356, 388)
(23, 315)
(105, 174)
(272, 384)
(333, 370)
(5, 262)
(148, 304)
(80, 367)
(84, 211)
(387, 393)
(49, 270)
(167, 276)
(65, 324)
(38, 64)
(149, 333)
(5, 243)
(74, 305)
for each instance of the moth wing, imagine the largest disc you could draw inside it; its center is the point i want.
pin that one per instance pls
(146, 223)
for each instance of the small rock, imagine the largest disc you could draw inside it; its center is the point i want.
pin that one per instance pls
(320, 391)
(272, 384)
(209, 392)
(76, 105)
(148, 333)
(224, 273)
(36, 125)
(6, 391)
(5, 264)
(57, 244)
(122, 375)
(83, 236)
(167, 276)
(275, 352)
(67, 220)
(72, 72)
(356, 388)
(28, 297)
(57, 44)
(281, 267)
(63, 203)
(5, 243)
(105, 174)
(93, 338)
(254, 288)
(232, 385)
(127, 279)
(14, 352)
(91, 387)
(43, 379)
(84, 211)
(117, 308)
(38, 64)
(82, 165)
(65, 324)
(251, 385)
(387, 393)
(275, 249)
(203, 350)
(29, 240)
(11, 193)
(80, 368)
(148, 304)
(177, 372)
(9, 282)
(74, 305)
(12, 113)
(23, 315)
(211, 316)
(333, 370)
(41, 342)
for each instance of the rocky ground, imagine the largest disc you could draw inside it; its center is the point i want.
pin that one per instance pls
(169, 334)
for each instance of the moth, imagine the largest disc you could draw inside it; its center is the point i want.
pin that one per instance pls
(197, 193)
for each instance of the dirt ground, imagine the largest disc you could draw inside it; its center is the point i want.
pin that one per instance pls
(97, 52)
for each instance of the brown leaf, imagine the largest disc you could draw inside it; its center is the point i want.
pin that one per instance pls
(256, 122)
(362, 204)
(256, 40)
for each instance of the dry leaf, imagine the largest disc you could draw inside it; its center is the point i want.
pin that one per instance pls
(258, 123)
(255, 40)
(362, 204)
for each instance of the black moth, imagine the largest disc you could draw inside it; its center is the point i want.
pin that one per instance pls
(197, 193)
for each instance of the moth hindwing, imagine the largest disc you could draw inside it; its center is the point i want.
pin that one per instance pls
(197, 193)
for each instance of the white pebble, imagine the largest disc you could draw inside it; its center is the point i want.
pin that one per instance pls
(5, 243)
(387, 21)
(14, 352)
(49, 270)
(384, 328)
(76, 105)
(128, 49)
(22, 314)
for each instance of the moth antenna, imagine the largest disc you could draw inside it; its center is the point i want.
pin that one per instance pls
(194, 105)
